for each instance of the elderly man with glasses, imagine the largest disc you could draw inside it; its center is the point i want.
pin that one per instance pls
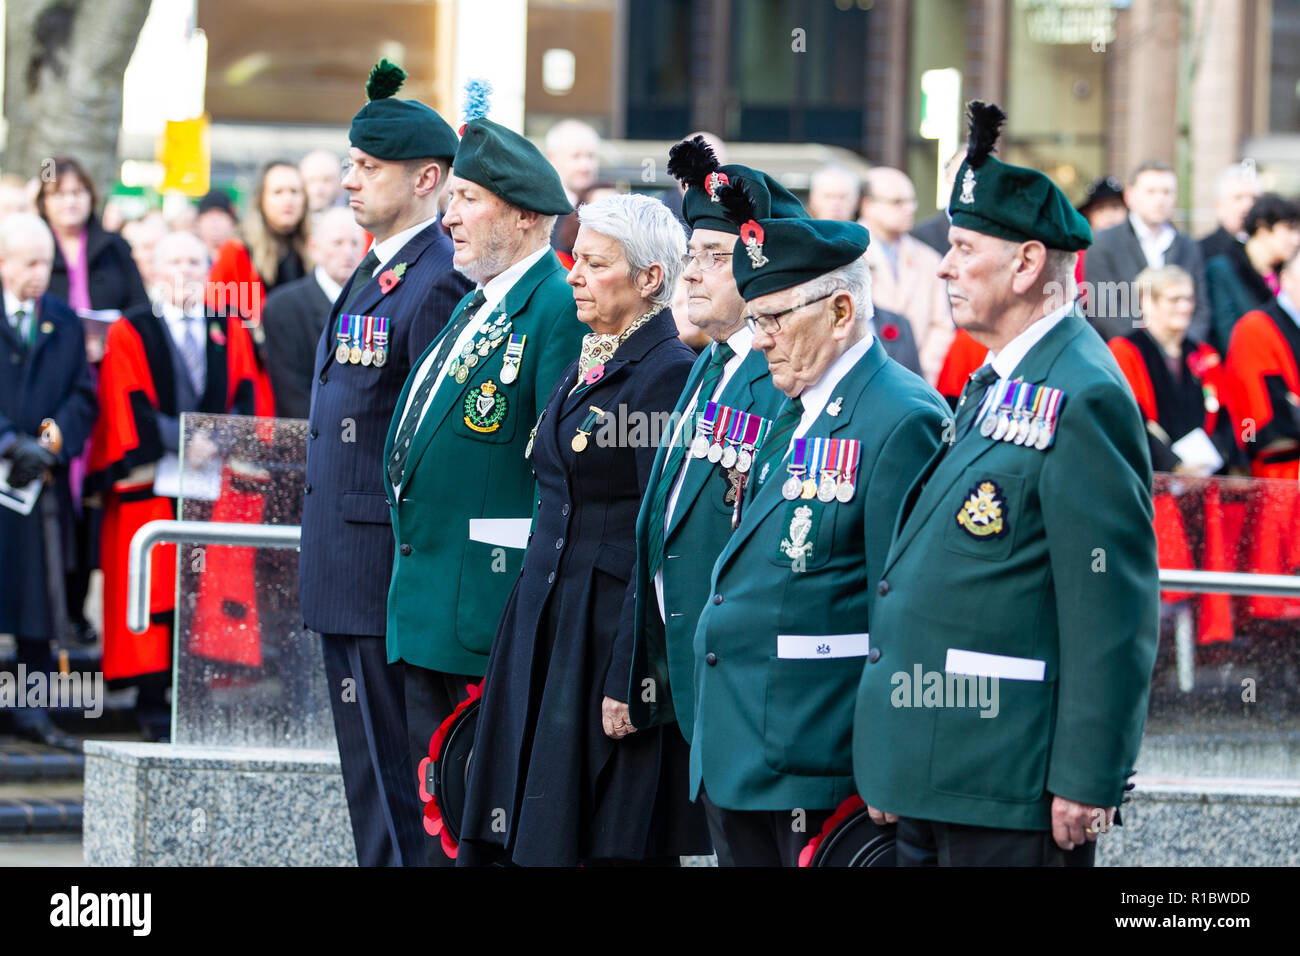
(783, 636)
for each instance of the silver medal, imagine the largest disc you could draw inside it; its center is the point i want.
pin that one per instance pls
(989, 423)
(715, 453)
(729, 456)
(744, 460)
(792, 488)
(700, 446)
(844, 492)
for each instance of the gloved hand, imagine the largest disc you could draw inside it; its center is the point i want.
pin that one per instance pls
(30, 461)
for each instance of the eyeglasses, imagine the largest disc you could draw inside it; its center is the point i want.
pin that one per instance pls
(771, 324)
(706, 259)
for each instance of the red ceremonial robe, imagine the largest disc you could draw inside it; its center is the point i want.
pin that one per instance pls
(235, 287)
(1199, 520)
(136, 383)
(1265, 401)
(964, 356)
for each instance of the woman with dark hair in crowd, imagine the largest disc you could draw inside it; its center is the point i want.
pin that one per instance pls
(273, 251)
(93, 271)
(1246, 277)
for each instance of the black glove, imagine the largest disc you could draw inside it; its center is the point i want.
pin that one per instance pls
(30, 461)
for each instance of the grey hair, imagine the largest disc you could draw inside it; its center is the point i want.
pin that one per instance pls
(23, 225)
(854, 278)
(1230, 175)
(1059, 266)
(646, 232)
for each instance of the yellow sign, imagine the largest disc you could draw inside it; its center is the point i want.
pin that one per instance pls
(186, 154)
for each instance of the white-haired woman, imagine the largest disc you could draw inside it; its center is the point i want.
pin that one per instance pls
(558, 776)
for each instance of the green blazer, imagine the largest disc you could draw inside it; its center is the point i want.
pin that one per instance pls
(1059, 602)
(662, 682)
(452, 571)
(779, 646)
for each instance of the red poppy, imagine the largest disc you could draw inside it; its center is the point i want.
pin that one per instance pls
(889, 331)
(387, 280)
(594, 375)
(842, 811)
(218, 337)
(432, 812)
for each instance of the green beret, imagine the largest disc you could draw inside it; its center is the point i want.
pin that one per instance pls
(776, 254)
(393, 129)
(1010, 202)
(508, 165)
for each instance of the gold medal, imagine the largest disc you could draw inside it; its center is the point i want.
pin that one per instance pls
(579, 441)
(809, 489)
(354, 357)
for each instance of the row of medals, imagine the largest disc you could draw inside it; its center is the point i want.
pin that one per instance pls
(356, 355)
(1019, 428)
(830, 488)
(741, 459)
(470, 354)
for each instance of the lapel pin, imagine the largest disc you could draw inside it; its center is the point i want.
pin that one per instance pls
(835, 407)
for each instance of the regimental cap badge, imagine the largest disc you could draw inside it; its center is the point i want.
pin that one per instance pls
(968, 187)
(751, 234)
(714, 182)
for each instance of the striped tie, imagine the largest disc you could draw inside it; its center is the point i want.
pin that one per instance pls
(777, 441)
(402, 443)
(194, 353)
(658, 506)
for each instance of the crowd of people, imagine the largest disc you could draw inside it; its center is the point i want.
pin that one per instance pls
(886, 445)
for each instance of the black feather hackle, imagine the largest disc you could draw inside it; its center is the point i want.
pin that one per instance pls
(984, 122)
(691, 161)
(738, 202)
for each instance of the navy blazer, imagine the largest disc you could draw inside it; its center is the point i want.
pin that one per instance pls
(49, 380)
(347, 535)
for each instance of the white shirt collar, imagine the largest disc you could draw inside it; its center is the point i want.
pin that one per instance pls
(13, 304)
(1288, 305)
(496, 288)
(393, 244)
(1005, 361)
(816, 395)
(741, 342)
(327, 285)
(1162, 238)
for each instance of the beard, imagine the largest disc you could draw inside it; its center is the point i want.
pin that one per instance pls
(495, 255)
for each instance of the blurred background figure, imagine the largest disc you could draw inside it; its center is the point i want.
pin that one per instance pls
(297, 311)
(142, 235)
(178, 212)
(271, 253)
(1103, 204)
(904, 270)
(92, 272)
(1147, 238)
(933, 229)
(322, 177)
(45, 376)
(573, 148)
(216, 221)
(833, 193)
(14, 196)
(1235, 191)
(1245, 277)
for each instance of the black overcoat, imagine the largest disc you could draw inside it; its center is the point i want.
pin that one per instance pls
(545, 782)
(49, 380)
(113, 281)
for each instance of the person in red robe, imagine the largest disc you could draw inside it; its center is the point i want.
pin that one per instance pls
(159, 362)
(1180, 385)
(1262, 366)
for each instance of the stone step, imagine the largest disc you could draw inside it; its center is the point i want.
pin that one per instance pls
(40, 809)
(22, 762)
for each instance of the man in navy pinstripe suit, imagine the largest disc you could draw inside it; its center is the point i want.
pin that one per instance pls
(394, 305)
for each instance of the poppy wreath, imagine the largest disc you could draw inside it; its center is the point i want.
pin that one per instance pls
(841, 812)
(433, 823)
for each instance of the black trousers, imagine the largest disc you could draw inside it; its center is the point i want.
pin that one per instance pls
(370, 723)
(760, 837)
(431, 696)
(931, 843)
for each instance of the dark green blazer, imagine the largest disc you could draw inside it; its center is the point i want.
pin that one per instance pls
(662, 682)
(1060, 603)
(780, 645)
(451, 571)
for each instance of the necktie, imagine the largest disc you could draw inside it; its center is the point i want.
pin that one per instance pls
(659, 504)
(774, 446)
(194, 354)
(364, 272)
(972, 397)
(402, 443)
(20, 318)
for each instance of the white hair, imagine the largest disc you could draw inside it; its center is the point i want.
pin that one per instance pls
(24, 225)
(176, 237)
(854, 278)
(1231, 175)
(646, 232)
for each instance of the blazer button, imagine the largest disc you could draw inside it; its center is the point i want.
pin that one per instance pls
(314, 433)
(550, 578)
(307, 490)
(564, 510)
(882, 588)
(406, 549)
(323, 378)
(717, 599)
(559, 543)
(711, 659)
(874, 655)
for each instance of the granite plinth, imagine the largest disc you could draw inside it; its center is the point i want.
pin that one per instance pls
(175, 805)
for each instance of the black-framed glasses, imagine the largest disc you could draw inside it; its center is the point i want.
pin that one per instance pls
(706, 259)
(771, 324)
